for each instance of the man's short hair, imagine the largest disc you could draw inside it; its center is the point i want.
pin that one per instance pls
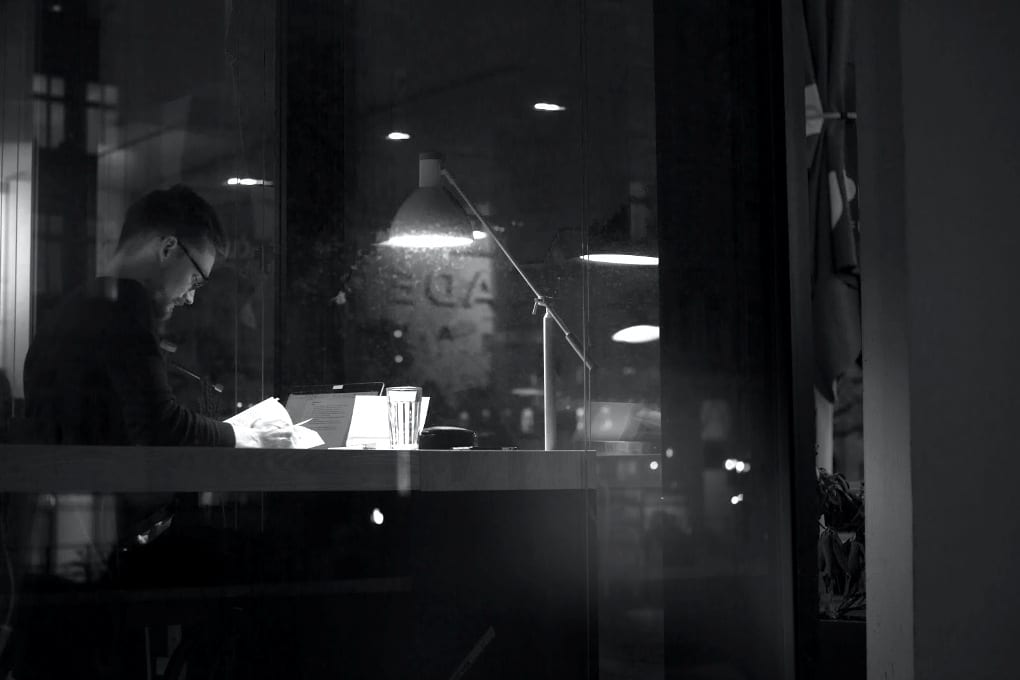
(176, 211)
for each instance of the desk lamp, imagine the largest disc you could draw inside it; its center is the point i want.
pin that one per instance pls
(431, 218)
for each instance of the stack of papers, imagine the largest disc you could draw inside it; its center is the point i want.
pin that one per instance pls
(272, 411)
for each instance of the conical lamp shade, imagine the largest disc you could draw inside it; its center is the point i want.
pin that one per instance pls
(626, 238)
(622, 252)
(430, 217)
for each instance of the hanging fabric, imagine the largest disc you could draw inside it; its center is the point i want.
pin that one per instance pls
(833, 192)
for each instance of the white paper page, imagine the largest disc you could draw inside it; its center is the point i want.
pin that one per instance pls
(370, 424)
(330, 414)
(268, 409)
(305, 438)
(271, 410)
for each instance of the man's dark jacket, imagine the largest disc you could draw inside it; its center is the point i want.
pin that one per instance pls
(95, 375)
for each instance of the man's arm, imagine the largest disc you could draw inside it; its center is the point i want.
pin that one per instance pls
(152, 415)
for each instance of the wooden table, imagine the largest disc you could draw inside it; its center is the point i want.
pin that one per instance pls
(67, 469)
(525, 563)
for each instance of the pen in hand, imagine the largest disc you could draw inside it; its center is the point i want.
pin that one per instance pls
(283, 426)
(286, 425)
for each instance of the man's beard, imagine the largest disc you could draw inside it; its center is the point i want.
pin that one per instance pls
(161, 313)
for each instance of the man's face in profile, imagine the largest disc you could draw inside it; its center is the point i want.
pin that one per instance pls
(184, 268)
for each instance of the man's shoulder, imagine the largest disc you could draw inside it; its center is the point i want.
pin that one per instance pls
(100, 311)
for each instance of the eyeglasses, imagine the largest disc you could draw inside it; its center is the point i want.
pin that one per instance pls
(197, 284)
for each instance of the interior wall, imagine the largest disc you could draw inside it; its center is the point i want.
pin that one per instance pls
(940, 163)
(884, 305)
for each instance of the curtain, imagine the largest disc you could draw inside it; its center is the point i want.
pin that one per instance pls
(828, 97)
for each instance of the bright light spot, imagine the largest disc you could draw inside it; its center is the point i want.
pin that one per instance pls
(637, 334)
(740, 466)
(654, 465)
(478, 235)
(739, 498)
(397, 136)
(730, 464)
(398, 333)
(547, 106)
(377, 516)
(747, 468)
(248, 182)
(669, 453)
(240, 405)
(621, 258)
(398, 359)
(427, 241)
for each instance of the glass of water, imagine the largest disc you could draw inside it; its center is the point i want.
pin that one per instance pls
(404, 405)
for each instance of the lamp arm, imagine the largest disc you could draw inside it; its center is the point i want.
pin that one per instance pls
(540, 299)
(567, 335)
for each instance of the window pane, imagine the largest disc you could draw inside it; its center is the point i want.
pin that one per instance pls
(558, 152)
(131, 119)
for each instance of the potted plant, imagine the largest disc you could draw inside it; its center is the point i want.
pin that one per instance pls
(840, 548)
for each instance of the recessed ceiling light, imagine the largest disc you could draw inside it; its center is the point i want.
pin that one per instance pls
(547, 106)
(248, 182)
(426, 241)
(398, 136)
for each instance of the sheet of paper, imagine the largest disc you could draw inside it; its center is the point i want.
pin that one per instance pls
(330, 414)
(268, 409)
(370, 423)
(305, 438)
(272, 410)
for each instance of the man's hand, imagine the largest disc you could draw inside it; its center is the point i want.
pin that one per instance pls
(264, 435)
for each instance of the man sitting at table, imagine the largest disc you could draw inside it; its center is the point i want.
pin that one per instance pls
(95, 374)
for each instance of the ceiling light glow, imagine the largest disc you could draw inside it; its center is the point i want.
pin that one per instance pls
(398, 136)
(637, 334)
(622, 258)
(426, 241)
(547, 106)
(248, 182)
